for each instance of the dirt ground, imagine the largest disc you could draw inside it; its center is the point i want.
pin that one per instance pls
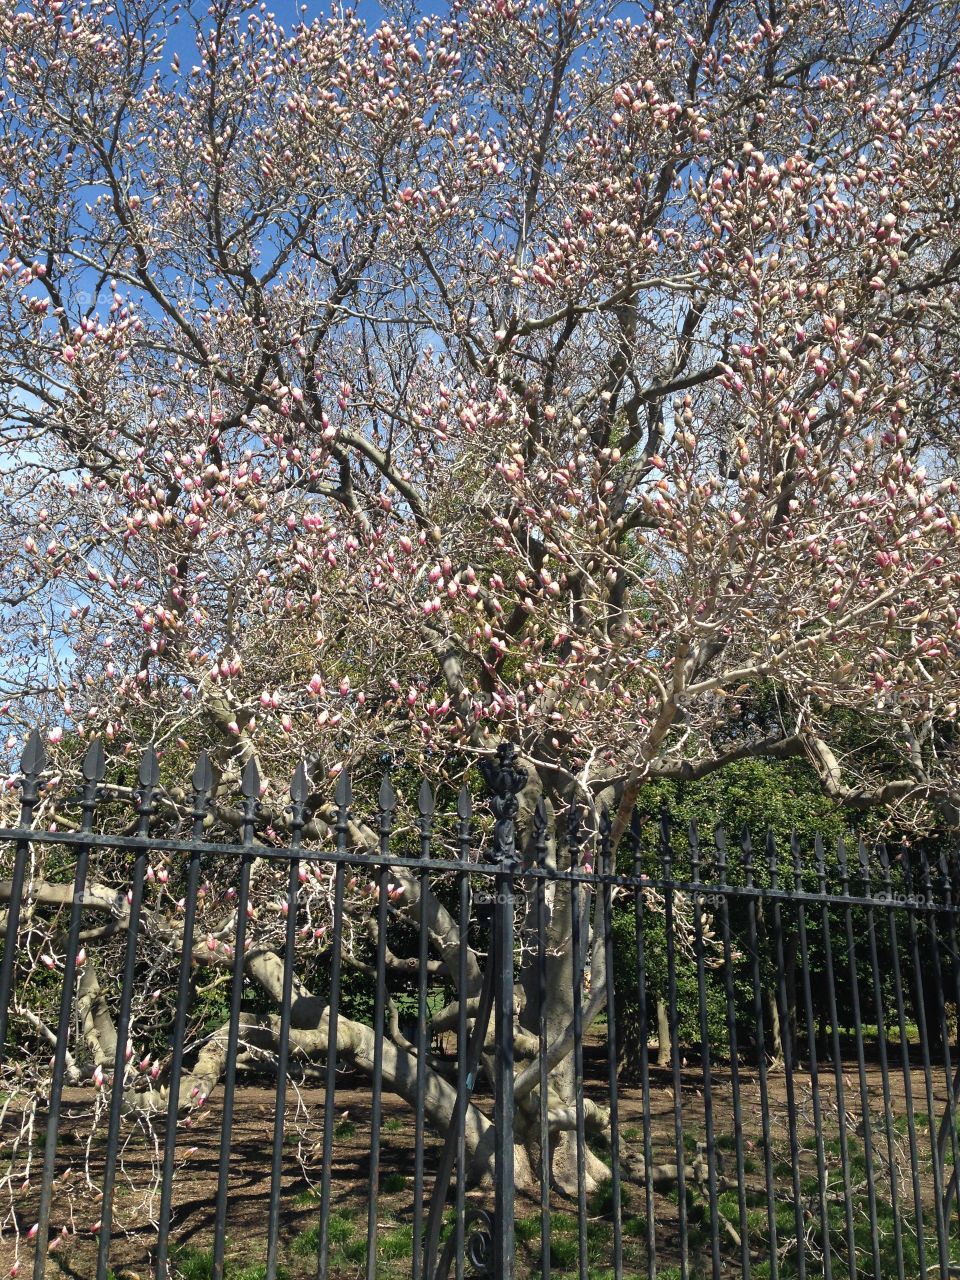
(80, 1169)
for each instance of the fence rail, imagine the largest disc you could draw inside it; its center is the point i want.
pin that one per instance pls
(408, 1035)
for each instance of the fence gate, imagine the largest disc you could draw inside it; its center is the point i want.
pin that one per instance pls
(392, 1033)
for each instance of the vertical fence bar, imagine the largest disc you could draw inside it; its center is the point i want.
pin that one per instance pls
(504, 1247)
(892, 1164)
(31, 766)
(342, 798)
(720, 843)
(673, 1021)
(540, 822)
(698, 908)
(575, 845)
(606, 871)
(149, 777)
(505, 780)
(299, 791)
(643, 1018)
(823, 1201)
(852, 968)
(786, 1046)
(840, 1096)
(746, 848)
(387, 803)
(475, 1051)
(202, 782)
(94, 769)
(892, 909)
(464, 809)
(250, 788)
(463, 1048)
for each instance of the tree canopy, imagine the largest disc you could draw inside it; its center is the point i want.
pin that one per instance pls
(576, 374)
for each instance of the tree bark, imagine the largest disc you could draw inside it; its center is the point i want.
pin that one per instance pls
(776, 1035)
(664, 1045)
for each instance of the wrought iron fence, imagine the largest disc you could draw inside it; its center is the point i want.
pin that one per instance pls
(560, 1052)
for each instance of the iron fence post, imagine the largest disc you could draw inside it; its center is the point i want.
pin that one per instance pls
(503, 1106)
(505, 781)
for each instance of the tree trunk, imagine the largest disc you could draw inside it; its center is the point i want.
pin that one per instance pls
(664, 1046)
(790, 950)
(775, 1046)
(932, 998)
(559, 987)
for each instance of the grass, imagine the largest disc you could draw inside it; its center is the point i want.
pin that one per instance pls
(192, 1264)
(197, 1264)
(341, 1228)
(527, 1230)
(635, 1226)
(601, 1200)
(835, 1236)
(347, 1227)
(348, 1243)
(564, 1252)
(258, 1271)
(398, 1243)
(871, 1031)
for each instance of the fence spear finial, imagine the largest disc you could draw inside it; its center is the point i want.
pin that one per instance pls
(95, 762)
(343, 792)
(464, 804)
(202, 779)
(34, 757)
(149, 773)
(31, 766)
(425, 801)
(299, 785)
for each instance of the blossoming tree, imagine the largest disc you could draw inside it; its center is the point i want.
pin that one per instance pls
(532, 373)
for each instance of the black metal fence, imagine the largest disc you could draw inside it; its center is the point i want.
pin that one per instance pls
(269, 1041)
